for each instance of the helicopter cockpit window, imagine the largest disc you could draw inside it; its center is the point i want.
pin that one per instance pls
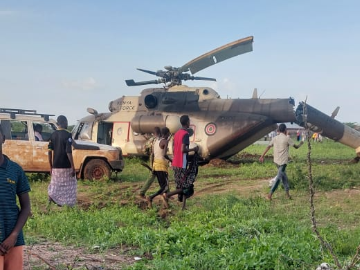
(150, 101)
(84, 131)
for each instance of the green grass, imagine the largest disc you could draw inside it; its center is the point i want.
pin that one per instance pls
(230, 230)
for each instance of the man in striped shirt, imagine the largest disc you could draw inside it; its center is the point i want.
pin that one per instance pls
(13, 182)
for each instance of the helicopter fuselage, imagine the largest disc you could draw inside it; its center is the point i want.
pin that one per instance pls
(221, 127)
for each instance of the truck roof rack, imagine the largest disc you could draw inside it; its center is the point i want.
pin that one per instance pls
(14, 112)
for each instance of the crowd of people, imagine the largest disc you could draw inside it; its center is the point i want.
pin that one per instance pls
(62, 189)
(184, 168)
(63, 185)
(14, 184)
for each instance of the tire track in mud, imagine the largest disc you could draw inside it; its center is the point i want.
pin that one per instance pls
(57, 256)
(230, 185)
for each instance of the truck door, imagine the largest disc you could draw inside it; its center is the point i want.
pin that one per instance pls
(17, 145)
(40, 148)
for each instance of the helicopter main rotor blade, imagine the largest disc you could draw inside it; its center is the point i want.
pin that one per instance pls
(133, 83)
(158, 73)
(204, 79)
(148, 71)
(218, 55)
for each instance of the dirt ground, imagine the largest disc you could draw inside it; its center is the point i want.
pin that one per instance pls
(53, 256)
(56, 256)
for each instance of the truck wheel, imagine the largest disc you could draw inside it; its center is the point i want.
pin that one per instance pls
(96, 169)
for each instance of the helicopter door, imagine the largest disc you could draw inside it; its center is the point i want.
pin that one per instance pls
(121, 134)
(104, 135)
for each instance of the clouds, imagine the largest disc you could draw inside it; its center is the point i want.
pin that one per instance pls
(83, 84)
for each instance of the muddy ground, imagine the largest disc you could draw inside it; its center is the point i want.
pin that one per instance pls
(56, 256)
(53, 256)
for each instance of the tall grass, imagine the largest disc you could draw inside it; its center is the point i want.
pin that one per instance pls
(228, 231)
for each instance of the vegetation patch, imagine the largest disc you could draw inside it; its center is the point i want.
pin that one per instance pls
(228, 223)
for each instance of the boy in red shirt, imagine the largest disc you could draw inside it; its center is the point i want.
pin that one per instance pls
(184, 174)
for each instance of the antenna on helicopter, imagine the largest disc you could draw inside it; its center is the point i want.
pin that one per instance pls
(262, 94)
(174, 76)
(335, 112)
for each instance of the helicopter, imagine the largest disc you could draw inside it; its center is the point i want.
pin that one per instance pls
(220, 127)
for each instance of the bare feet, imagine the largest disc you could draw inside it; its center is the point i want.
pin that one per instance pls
(165, 200)
(50, 201)
(149, 202)
(184, 204)
(268, 197)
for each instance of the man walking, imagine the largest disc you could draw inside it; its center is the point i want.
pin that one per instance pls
(63, 184)
(183, 173)
(160, 165)
(281, 144)
(156, 136)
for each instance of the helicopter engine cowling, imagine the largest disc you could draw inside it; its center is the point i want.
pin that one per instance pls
(146, 123)
(172, 122)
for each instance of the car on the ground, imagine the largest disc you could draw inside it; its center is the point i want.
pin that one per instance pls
(91, 160)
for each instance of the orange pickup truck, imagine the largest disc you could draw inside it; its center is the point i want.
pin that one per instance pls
(92, 160)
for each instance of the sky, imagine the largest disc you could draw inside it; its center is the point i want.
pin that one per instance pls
(61, 57)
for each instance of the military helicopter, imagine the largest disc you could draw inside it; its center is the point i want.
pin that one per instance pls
(220, 127)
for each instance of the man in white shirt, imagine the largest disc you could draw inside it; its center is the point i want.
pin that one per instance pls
(281, 144)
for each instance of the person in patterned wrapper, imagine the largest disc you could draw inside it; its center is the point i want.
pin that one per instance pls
(185, 170)
(63, 184)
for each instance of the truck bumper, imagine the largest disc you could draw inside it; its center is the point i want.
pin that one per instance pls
(117, 165)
